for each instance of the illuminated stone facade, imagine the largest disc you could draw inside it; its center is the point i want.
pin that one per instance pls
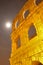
(27, 35)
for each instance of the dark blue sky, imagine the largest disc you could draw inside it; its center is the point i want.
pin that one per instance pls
(8, 11)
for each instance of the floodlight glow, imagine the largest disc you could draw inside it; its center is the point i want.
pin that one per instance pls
(8, 25)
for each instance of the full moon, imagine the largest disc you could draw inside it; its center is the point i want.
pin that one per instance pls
(8, 25)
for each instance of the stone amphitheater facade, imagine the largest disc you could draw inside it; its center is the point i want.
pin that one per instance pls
(27, 35)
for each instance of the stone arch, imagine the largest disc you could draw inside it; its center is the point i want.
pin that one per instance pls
(36, 63)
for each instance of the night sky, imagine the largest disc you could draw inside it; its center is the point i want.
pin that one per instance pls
(8, 11)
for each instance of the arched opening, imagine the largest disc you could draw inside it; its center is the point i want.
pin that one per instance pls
(36, 63)
(37, 2)
(26, 13)
(18, 42)
(32, 32)
(17, 24)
